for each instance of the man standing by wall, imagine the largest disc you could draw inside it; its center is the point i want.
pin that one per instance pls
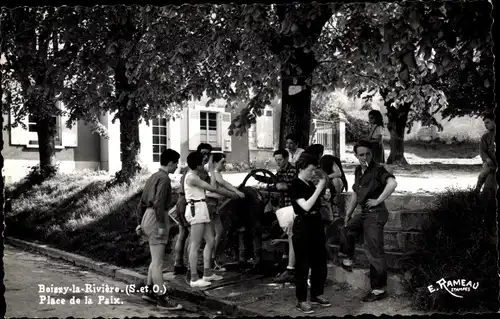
(373, 184)
(487, 149)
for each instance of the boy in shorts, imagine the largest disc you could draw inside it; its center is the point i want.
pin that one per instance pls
(152, 214)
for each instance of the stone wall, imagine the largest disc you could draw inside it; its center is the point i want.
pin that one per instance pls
(407, 216)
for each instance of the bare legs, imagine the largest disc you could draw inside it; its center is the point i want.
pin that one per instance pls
(217, 229)
(155, 272)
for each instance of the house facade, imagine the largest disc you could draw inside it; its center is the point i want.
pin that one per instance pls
(78, 148)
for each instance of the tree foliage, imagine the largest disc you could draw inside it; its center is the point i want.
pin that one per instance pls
(409, 53)
(37, 56)
(266, 46)
(140, 62)
(405, 50)
(137, 62)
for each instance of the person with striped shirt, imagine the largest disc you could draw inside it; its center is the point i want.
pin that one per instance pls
(285, 175)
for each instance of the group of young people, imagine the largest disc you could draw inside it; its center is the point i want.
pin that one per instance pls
(311, 184)
(201, 188)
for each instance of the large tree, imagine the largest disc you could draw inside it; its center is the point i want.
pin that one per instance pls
(403, 51)
(269, 51)
(37, 55)
(137, 62)
(410, 54)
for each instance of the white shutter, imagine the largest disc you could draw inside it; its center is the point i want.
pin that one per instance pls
(270, 128)
(194, 129)
(146, 140)
(260, 131)
(265, 130)
(225, 120)
(18, 135)
(69, 135)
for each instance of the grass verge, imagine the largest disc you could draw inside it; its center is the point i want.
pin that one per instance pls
(77, 213)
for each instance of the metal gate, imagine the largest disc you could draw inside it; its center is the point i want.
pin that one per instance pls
(326, 134)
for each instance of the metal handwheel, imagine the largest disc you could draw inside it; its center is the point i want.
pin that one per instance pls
(262, 176)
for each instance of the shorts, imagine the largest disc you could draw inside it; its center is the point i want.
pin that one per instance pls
(181, 210)
(286, 217)
(149, 226)
(213, 207)
(201, 214)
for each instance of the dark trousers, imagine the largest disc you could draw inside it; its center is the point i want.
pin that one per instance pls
(488, 197)
(310, 253)
(371, 224)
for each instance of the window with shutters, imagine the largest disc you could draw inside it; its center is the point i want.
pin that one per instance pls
(160, 139)
(209, 130)
(33, 136)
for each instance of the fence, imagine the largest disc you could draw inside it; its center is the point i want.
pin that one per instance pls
(327, 134)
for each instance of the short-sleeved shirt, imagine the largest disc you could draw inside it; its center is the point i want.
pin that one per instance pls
(300, 189)
(287, 175)
(157, 194)
(371, 183)
(295, 156)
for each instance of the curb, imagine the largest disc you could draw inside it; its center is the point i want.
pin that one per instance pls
(131, 277)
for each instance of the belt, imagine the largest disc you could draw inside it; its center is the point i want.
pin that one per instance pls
(309, 213)
(182, 194)
(192, 201)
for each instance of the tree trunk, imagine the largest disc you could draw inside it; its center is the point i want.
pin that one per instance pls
(129, 145)
(2, 184)
(397, 127)
(296, 109)
(46, 130)
(129, 127)
(295, 112)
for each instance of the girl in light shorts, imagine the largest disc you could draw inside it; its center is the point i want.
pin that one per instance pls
(198, 217)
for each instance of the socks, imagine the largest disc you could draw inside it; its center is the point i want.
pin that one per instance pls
(194, 276)
(347, 262)
(377, 291)
(242, 255)
(150, 289)
(290, 268)
(207, 272)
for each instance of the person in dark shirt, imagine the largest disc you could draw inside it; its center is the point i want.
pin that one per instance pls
(372, 185)
(152, 213)
(487, 149)
(179, 268)
(308, 234)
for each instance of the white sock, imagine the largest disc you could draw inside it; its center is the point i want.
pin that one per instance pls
(347, 262)
(378, 291)
(290, 268)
